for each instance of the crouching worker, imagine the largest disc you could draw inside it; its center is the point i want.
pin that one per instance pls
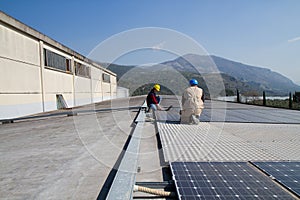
(153, 99)
(192, 103)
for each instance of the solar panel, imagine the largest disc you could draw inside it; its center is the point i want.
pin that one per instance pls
(246, 113)
(223, 180)
(286, 173)
(170, 116)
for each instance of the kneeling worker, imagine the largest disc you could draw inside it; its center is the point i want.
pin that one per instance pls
(153, 99)
(192, 103)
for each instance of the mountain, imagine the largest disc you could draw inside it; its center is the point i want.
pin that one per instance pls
(120, 70)
(257, 77)
(210, 71)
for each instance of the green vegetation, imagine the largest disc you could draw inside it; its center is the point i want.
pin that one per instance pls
(120, 70)
(140, 80)
(277, 103)
(145, 89)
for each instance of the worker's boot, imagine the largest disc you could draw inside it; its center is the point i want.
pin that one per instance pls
(195, 119)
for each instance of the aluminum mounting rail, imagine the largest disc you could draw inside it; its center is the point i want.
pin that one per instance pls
(122, 186)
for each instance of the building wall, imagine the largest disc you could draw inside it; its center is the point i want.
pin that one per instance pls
(19, 63)
(122, 92)
(29, 85)
(97, 85)
(113, 86)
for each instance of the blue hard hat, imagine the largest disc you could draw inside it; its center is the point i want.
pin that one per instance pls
(193, 82)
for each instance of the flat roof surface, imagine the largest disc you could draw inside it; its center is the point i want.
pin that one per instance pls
(56, 156)
(64, 157)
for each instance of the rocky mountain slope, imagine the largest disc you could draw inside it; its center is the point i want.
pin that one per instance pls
(210, 71)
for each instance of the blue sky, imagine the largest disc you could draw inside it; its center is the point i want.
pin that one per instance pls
(263, 33)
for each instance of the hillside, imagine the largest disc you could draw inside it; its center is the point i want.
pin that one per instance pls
(257, 77)
(216, 76)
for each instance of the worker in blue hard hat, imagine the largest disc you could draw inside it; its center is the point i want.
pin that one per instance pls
(192, 103)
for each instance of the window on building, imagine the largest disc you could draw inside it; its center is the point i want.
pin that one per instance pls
(82, 70)
(56, 61)
(106, 78)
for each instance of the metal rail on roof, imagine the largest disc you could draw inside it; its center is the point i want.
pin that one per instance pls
(122, 186)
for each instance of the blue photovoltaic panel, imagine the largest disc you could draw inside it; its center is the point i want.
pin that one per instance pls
(286, 173)
(224, 180)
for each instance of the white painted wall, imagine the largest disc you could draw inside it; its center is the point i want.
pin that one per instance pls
(28, 87)
(56, 82)
(97, 90)
(20, 93)
(82, 91)
(17, 77)
(96, 77)
(122, 92)
(113, 87)
(16, 46)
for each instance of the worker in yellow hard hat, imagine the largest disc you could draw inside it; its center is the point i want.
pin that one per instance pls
(153, 99)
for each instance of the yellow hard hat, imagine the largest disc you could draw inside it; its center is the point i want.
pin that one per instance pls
(157, 87)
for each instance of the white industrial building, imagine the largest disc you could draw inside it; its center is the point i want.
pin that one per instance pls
(38, 74)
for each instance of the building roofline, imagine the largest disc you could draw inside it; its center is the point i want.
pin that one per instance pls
(21, 27)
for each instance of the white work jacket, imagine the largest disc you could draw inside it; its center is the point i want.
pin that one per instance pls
(192, 99)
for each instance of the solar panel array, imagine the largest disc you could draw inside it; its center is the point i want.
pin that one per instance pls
(216, 111)
(286, 173)
(224, 180)
(229, 142)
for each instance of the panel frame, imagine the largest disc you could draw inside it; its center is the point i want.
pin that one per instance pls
(246, 179)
